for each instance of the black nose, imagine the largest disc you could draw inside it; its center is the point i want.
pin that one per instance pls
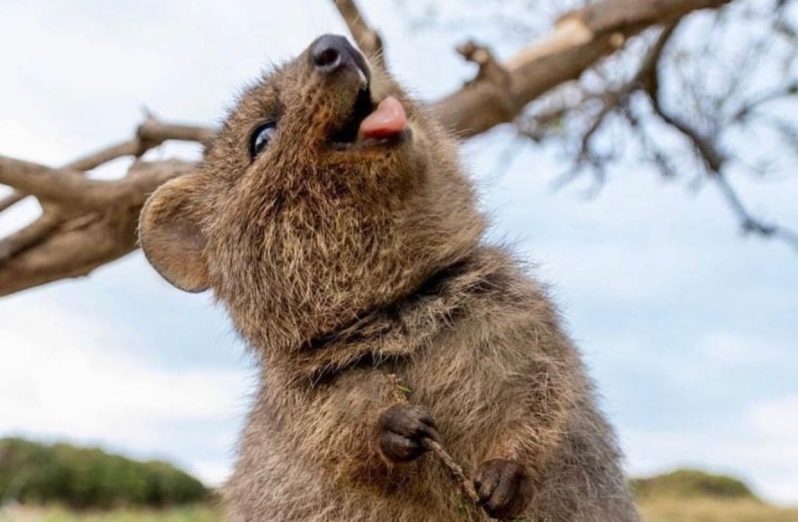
(332, 52)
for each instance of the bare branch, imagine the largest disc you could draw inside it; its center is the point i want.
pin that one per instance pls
(708, 150)
(62, 185)
(490, 70)
(28, 236)
(11, 200)
(612, 101)
(750, 224)
(648, 76)
(580, 39)
(747, 109)
(706, 146)
(150, 134)
(71, 188)
(85, 223)
(73, 241)
(75, 251)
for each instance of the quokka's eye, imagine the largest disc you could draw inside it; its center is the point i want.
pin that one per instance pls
(261, 137)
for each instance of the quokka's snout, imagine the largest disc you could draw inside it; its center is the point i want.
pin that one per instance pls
(332, 54)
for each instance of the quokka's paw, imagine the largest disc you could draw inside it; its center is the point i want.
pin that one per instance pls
(402, 430)
(503, 488)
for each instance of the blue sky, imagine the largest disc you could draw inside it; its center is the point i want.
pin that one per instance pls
(689, 328)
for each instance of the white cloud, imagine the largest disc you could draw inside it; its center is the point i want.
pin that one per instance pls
(716, 417)
(765, 459)
(775, 444)
(778, 418)
(65, 376)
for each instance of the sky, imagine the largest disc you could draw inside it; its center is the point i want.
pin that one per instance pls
(689, 328)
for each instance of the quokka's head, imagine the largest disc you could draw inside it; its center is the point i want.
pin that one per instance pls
(326, 193)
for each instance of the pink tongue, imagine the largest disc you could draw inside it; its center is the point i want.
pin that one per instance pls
(387, 120)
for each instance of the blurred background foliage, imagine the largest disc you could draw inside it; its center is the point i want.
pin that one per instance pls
(34, 473)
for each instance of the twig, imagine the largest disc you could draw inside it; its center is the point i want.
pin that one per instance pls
(455, 470)
(489, 67)
(580, 39)
(750, 224)
(705, 145)
(714, 159)
(751, 106)
(150, 134)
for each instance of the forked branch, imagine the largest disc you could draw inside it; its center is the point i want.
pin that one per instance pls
(84, 223)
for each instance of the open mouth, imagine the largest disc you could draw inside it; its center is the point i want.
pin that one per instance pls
(371, 124)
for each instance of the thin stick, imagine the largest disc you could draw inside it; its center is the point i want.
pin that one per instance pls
(455, 470)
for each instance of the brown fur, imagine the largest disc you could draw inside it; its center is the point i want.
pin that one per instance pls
(346, 269)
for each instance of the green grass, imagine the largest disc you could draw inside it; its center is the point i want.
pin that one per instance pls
(690, 483)
(680, 496)
(696, 496)
(713, 510)
(60, 514)
(90, 478)
(655, 510)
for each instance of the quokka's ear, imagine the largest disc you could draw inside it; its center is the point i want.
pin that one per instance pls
(171, 235)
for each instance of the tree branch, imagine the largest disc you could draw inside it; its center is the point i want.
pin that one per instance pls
(85, 223)
(65, 186)
(707, 149)
(580, 39)
(73, 251)
(11, 200)
(490, 70)
(71, 189)
(28, 236)
(746, 110)
(611, 101)
(150, 134)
